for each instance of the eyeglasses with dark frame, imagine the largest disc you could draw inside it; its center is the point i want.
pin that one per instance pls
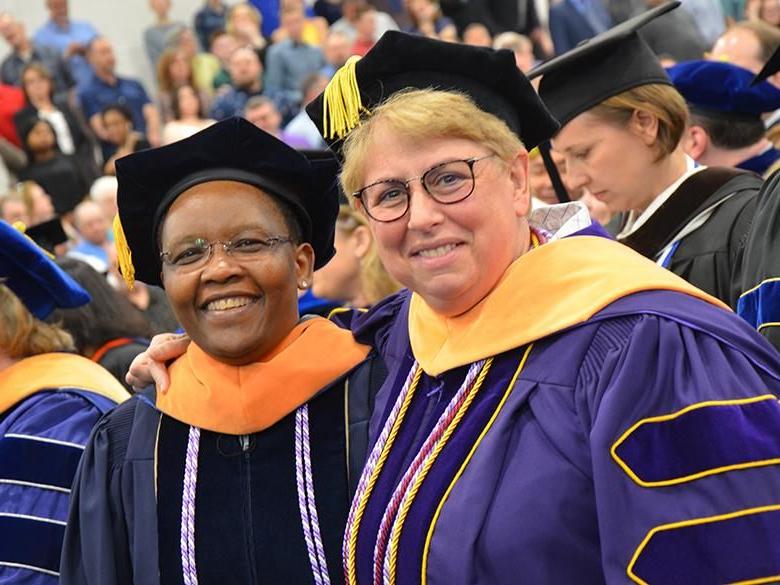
(448, 182)
(197, 253)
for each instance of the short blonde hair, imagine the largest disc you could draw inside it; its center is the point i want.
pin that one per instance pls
(420, 114)
(375, 281)
(660, 100)
(22, 335)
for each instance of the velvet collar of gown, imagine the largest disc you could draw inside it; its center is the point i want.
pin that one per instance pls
(53, 371)
(239, 400)
(556, 286)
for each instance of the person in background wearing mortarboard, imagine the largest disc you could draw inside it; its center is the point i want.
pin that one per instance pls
(540, 386)
(49, 401)
(622, 124)
(725, 127)
(241, 472)
(759, 302)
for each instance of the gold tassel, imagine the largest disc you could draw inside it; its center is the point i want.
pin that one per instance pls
(342, 105)
(123, 255)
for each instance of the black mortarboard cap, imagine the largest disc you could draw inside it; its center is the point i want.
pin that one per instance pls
(48, 234)
(34, 277)
(608, 64)
(402, 61)
(234, 149)
(770, 67)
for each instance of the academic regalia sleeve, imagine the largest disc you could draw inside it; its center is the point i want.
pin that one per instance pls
(759, 302)
(111, 536)
(684, 444)
(375, 326)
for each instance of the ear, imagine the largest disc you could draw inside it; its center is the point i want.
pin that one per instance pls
(518, 174)
(696, 142)
(304, 264)
(362, 239)
(644, 125)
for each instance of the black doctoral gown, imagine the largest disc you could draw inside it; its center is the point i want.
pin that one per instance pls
(125, 523)
(722, 203)
(759, 303)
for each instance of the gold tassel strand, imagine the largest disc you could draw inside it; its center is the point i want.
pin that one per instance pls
(342, 105)
(123, 254)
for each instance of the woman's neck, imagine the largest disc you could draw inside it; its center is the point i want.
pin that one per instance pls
(44, 156)
(43, 104)
(662, 175)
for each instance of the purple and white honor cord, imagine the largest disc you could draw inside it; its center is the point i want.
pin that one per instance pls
(306, 503)
(187, 542)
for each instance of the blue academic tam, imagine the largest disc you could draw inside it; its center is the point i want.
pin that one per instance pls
(33, 277)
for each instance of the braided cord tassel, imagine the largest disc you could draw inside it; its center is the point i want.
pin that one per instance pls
(306, 502)
(187, 540)
(425, 450)
(371, 471)
(471, 388)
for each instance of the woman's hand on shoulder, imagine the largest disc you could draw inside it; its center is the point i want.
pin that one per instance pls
(150, 366)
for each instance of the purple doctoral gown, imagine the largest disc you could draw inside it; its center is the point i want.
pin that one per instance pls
(640, 446)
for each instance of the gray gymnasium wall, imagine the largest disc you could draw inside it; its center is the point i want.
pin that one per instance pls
(122, 21)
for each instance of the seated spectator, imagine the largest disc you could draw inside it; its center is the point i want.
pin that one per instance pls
(477, 35)
(351, 11)
(427, 19)
(68, 37)
(103, 192)
(24, 51)
(73, 136)
(156, 37)
(520, 45)
(244, 23)
(50, 401)
(314, 29)
(246, 81)
(749, 45)
(301, 129)
(365, 29)
(767, 11)
(117, 122)
(37, 202)
(262, 112)
(222, 45)
(210, 19)
(204, 65)
(108, 330)
(188, 115)
(336, 50)
(290, 61)
(58, 173)
(13, 209)
(174, 71)
(107, 88)
(93, 245)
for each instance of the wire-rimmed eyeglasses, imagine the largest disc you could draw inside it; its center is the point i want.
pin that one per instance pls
(448, 182)
(196, 253)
